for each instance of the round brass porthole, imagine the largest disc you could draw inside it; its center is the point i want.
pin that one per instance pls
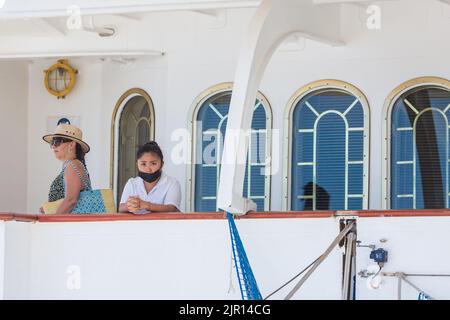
(60, 78)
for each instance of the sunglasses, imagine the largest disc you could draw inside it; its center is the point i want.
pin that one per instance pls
(58, 140)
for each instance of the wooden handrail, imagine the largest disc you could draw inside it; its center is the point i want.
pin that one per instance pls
(24, 217)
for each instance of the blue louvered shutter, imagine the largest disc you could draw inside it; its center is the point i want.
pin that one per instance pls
(212, 118)
(420, 149)
(254, 188)
(327, 171)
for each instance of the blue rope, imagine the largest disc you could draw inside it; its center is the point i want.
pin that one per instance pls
(247, 282)
(354, 287)
(424, 296)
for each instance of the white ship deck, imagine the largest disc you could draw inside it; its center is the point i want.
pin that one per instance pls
(188, 256)
(178, 55)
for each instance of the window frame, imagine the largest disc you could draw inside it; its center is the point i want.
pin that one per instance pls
(317, 86)
(394, 95)
(192, 117)
(115, 123)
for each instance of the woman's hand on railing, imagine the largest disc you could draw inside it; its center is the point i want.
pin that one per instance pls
(133, 204)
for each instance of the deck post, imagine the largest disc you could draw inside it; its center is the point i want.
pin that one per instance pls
(273, 21)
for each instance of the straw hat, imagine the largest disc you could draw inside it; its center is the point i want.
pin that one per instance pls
(70, 132)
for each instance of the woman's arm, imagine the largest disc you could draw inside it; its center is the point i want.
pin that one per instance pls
(153, 207)
(128, 201)
(135, 204)
(131, 206)
(73, 187)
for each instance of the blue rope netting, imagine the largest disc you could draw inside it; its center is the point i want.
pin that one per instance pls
(247, 282)
(424, 296)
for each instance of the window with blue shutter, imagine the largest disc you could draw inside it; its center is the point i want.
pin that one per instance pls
(420, 152)
(211, 122)
(328, 152)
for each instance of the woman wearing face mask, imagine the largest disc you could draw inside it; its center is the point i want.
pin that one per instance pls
(68, 147)
(152, 190)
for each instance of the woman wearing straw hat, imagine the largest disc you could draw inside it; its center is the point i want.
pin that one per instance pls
(68, 146)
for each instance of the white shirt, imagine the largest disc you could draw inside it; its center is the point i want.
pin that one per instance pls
(166, 191)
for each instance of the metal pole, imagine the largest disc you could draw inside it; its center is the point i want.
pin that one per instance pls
(347, 266)
(402, 277)
(322, 257)
(425, 275)
(411, 284)
(353, 284)
(394, 274)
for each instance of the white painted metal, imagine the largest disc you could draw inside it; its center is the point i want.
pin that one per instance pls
(173, 259)
(190, 259)
(104, 54)
(330, 248)
(18, 264)
(13, 115)
(49, 26)
(273, 22)
(2, 258)
(50, 8)
(414, 245)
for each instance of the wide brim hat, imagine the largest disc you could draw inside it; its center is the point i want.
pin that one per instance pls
(70, 132)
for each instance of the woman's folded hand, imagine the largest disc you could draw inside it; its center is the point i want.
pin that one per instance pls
(133, 204)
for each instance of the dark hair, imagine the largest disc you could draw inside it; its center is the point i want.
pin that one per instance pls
(150, 146)
(80, 154)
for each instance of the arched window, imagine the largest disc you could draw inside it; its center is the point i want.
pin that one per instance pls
(328, 143)
(133, 125)
(419, 117)
(210, 117)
